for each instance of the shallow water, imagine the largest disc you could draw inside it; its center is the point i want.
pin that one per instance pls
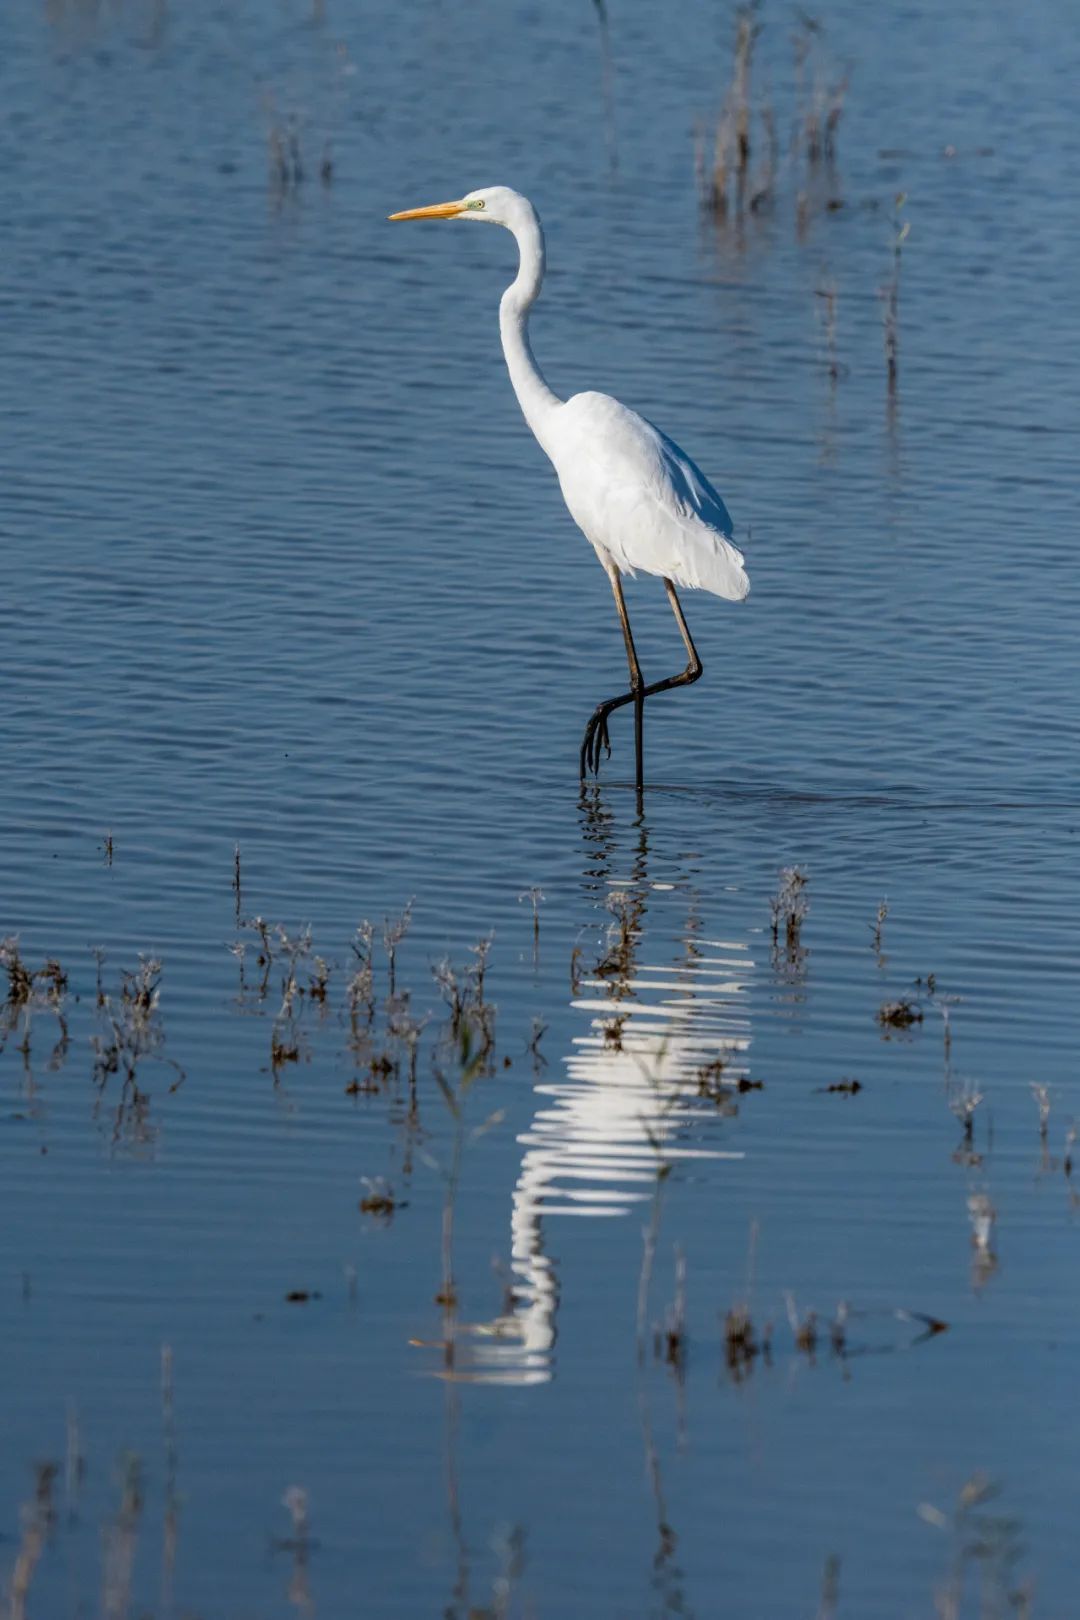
(284, 571)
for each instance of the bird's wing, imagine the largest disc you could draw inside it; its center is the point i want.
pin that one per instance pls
(638, 496)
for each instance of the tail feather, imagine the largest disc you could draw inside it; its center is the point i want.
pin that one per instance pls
(709, 562)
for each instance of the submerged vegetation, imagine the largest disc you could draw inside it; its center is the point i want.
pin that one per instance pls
(741, 171)
(31, 991)
(762, 159)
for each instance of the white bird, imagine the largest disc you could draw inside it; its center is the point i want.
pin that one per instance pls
(633, 493)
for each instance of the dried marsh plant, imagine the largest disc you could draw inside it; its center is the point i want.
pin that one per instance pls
(360, 989)
(821, 88)
(378, 1198)
(724, 186)
(36, 1520)
(299, 1543)
(455, 1094)
(890, 295)
(902, 1014)
(741, 1343)
(535, 897)
(789, 908)
(670, 1338)
(121, 1541)
(134, 1035)
(30, 991)
(1041, 1095)
(985, 1555)
(741, 174)
(394, 931)
(964, 1099)
(463, 991)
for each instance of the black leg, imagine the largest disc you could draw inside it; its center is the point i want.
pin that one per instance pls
(596, 732)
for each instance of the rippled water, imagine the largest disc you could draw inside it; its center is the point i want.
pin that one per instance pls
(285, 573)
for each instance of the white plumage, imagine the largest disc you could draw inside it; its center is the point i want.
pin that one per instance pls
(634, 494)
(641, 500)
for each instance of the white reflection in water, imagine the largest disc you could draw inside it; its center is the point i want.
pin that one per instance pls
(631, 1097)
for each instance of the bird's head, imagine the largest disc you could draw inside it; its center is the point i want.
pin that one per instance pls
(496, 204)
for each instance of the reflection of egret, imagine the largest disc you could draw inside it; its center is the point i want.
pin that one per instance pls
(629, 1095)
(633, 493)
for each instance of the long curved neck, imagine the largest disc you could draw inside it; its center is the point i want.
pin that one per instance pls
(534, 396)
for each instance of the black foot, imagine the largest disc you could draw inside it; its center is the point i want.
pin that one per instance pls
(596, 738)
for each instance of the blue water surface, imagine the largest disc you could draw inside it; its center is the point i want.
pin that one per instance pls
(296, 631)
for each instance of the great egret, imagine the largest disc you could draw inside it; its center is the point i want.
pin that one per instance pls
(633, 493)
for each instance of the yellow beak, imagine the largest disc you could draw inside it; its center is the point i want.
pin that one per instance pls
(436, 211)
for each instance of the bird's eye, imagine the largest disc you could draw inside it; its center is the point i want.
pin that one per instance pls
(477, 202)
